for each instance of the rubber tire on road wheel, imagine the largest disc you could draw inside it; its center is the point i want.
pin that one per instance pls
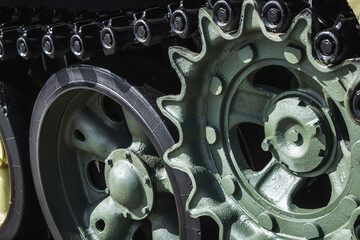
(24, 219)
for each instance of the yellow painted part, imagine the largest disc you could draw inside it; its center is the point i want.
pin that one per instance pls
(4, 193)
(4, 184)
(355, 5)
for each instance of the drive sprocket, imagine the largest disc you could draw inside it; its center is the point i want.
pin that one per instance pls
(267, 133)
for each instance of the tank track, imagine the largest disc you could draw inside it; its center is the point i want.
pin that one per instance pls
(34, 33)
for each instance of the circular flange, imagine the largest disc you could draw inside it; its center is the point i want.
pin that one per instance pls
(297, 133)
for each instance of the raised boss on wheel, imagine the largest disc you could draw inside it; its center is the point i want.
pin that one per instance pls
(268, 134)
(95, 143)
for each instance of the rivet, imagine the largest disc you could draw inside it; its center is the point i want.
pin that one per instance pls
(229, 185)
(292, 54)
(246, 54)
(216, 86)
(266, 220)
(310, 231)
(145, 210)
(211, 135)
(348, 204)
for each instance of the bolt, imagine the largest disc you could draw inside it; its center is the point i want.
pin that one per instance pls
(126, 214)
(327, 47)
(22, 47)
(142, 32)
(145, 210)
(77, 45)
(109, 162)
(222, 15)
(146, 180)
(273, 15)
(179, 23)
(293, 135)
(265, 145)
(108, 39)
(48, 46)
(313, 129)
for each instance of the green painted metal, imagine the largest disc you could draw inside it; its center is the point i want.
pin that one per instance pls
(137, 190)
(308, 130)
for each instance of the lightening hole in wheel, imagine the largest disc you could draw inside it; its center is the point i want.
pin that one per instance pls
(79, 135)
(112, 110)
(315, 193)
(277, 77)
(357, 228)
(209, 228)
(97, 175)
(100, 225)
(144, 231)
(250, 137)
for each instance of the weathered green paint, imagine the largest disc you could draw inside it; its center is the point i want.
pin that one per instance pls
(137, 185)
(258, 205)
(297, 133)
(129, 184)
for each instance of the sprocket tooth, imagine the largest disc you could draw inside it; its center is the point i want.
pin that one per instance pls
(211, 34)
(170, 108)
(251, 20)
(182, 65)
(300, 30)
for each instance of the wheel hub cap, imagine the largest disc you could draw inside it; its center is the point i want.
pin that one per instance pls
(295, 130)
(129, 183)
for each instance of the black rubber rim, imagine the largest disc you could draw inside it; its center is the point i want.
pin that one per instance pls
(23, 218)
